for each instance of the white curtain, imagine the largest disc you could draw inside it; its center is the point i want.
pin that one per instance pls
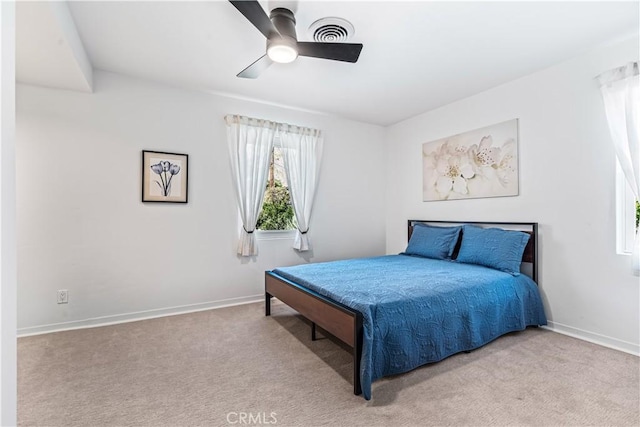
(250, 145)
(302, 153)
(620, 89)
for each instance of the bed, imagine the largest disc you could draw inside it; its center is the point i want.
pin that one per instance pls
(398, 312)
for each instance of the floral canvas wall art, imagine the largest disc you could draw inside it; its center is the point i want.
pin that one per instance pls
(164, 177)
(474, 164)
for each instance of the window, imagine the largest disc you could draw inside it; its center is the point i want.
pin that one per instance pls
(277, 213)
(251, 148)
(628, 214)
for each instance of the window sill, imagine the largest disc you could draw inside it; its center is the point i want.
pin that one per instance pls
(275, 234)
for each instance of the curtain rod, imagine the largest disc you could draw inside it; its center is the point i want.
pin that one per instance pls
(236, 118)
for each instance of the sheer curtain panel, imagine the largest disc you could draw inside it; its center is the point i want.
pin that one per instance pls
(302, 153)
(620, 90)
(250, 144)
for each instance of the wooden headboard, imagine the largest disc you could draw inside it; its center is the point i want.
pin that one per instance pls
(530, 254)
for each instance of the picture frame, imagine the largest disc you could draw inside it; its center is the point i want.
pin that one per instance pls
(475, 164)
(165, 177)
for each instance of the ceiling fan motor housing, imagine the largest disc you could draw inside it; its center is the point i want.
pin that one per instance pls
(285, 22)
(279, 27)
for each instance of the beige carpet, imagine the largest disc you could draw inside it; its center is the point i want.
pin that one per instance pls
(233, 366)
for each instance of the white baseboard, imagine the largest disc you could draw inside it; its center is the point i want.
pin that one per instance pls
(135, 316)
(603, 340)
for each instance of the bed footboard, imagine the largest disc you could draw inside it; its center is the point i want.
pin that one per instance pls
(333, 317)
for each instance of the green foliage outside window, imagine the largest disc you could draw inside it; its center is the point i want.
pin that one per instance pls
(277, 212)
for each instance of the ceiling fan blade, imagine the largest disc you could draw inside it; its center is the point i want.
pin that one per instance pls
(347, 52)
(255, 69)
(256, 15)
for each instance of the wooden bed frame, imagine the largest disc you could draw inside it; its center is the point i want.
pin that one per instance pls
(345, 323)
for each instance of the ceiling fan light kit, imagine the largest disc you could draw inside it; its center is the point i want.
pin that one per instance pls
(283, 48)
(282, 53)
(282, 43)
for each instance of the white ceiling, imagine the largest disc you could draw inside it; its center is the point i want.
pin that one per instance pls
(417, 56)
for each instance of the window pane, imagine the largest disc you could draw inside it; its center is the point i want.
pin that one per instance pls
(278, 167)
(277, 212)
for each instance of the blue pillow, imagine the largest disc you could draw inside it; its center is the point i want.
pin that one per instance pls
(493, 247)
(433, 242)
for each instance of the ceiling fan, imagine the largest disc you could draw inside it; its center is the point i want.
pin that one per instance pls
(282, 44)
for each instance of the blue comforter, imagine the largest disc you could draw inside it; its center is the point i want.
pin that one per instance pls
(419, 310)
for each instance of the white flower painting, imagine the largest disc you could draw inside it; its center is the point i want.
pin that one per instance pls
(478, 163)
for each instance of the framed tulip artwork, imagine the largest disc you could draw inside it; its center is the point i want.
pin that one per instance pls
(474, 164)
(164, 177)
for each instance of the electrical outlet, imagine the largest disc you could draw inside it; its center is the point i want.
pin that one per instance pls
(63, 296)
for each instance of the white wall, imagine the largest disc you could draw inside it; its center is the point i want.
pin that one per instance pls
(82, 226)
(8, 368)
(567, 184)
